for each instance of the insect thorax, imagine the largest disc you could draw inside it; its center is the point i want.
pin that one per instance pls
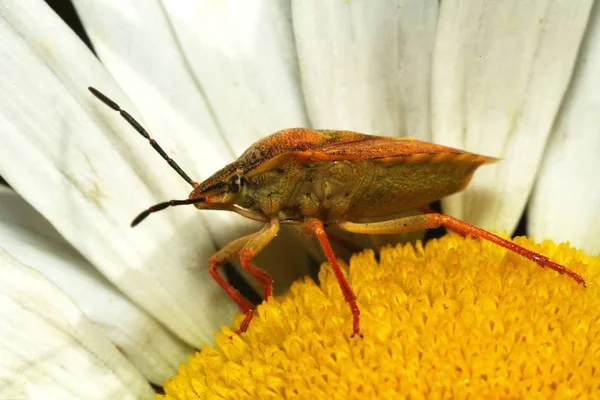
(324, 190)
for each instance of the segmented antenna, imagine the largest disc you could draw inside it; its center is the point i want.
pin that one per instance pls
(136, 125)
(162, 206)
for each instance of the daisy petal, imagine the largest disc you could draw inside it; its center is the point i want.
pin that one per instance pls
(365, 65)
(243, 56)
(137, 46)
(564, 205)
(500, 72)
(136, 42)
(81, 166)
(49, 350)
(25, 234)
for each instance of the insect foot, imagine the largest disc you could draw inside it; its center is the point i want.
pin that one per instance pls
(246, 322)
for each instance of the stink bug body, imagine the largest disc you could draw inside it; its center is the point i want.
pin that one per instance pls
(310, 178)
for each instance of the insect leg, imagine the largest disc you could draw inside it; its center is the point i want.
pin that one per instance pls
(315, 226)
(435, 220)
(217, 261)
(257, 242)
(428, 210)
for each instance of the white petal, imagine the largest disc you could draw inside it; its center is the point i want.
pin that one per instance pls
(24, 233)
(564, 205)
(81, 166)
(366, 66)
(500, 71)
(49, 350)
(243, 55)
(136, 42)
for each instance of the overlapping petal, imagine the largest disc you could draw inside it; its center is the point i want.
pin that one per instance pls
(80, 165)
(24, 233)
(366, 66)
(49, 348)
(564, 204)
(206, 90)
(500, 72)
(244, 58)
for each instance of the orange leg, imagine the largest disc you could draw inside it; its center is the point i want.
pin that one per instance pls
(247, 247)
(218, 259)
(254, 246)
(428, 210)
(435, 220)
(316, 227)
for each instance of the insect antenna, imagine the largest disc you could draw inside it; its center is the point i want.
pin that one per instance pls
(162, 206)
(136, 125)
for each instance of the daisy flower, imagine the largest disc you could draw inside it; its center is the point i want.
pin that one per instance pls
(90, 308)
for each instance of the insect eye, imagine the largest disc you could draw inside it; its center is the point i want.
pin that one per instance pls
(234, 184)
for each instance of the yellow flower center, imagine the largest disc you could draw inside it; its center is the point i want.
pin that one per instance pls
(460, 318)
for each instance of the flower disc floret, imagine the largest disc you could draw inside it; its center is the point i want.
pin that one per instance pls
(460, 318)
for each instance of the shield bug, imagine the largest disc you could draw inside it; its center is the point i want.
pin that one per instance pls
(313, 178)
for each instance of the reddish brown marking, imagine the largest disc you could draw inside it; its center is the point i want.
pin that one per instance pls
(350, 145)
(328, 145)
(316, 226)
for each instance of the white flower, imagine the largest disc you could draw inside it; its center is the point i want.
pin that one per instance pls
(516, 80)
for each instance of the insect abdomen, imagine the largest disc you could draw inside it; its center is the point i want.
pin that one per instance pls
(417, 181)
